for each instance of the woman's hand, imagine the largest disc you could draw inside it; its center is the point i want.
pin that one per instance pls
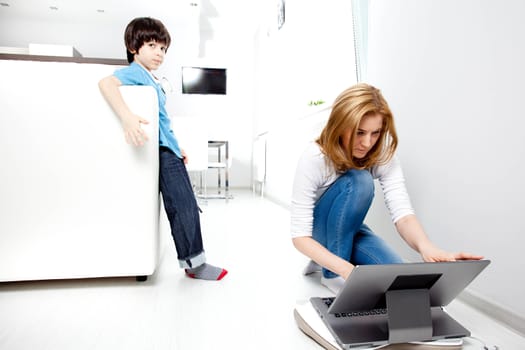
(434, 254)
(322, 256)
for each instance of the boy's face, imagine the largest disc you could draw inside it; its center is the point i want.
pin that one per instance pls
(151, 55)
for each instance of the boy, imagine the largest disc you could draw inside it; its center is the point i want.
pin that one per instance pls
(147, 41)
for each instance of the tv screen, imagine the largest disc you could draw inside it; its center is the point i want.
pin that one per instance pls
(199, 80)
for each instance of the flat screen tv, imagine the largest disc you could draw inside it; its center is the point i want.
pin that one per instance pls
(204, 81)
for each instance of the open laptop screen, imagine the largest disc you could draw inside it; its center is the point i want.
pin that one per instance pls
(367, 285)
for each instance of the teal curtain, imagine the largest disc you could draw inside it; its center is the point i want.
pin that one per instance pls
(360, 24)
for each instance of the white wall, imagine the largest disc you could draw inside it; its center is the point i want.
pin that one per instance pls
(226, 117)
(453, 74)
(310, 58)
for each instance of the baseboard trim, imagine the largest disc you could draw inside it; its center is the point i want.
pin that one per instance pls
(496, 312)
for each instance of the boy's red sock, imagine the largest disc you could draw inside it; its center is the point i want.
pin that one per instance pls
(206, 272)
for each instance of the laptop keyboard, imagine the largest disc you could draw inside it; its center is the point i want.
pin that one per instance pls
(329, 301)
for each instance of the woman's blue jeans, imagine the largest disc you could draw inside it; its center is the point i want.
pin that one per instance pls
(338, 222)
(181, 208)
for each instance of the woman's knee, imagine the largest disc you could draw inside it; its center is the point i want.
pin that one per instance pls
(359, 182)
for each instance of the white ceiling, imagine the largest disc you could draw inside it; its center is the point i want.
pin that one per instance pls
(115, 10)
(87, 10)
(241, 16)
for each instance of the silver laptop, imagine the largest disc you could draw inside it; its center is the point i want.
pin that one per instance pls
(397, 303)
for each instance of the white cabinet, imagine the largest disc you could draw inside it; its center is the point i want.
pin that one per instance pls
(76, 201)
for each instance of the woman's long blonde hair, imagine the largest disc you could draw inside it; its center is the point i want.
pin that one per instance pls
(349, 108)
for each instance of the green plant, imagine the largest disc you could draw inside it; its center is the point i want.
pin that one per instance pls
(316, 103)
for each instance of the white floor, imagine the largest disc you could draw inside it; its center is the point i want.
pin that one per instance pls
(252, 307)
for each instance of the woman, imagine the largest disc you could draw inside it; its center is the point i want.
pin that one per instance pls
(334, 187)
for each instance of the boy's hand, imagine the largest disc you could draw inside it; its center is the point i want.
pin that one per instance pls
(133, 132)
(184, 156)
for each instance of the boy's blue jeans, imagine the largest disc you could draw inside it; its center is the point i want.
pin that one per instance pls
(338, 222)
(181, 208)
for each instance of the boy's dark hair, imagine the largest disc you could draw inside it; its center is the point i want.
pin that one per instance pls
(142, 30)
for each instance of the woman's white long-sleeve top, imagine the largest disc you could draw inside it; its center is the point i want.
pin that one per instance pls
(315, 173)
